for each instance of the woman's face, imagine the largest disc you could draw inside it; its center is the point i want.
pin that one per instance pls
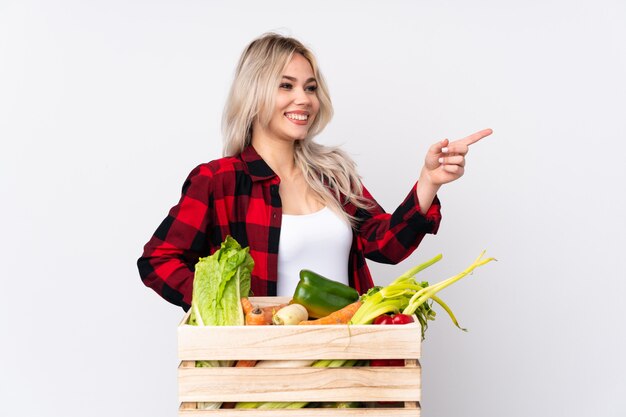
(296, 103)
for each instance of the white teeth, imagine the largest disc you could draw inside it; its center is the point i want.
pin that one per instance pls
(295, 116)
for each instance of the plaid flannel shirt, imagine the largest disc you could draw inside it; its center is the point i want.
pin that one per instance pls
(238, 196)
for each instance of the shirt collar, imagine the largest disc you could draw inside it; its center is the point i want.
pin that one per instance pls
(257, 167)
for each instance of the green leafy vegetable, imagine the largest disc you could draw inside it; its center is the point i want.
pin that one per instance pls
(406, 295)
(220, 280)
(219, 283)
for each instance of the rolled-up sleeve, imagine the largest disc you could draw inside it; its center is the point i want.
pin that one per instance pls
(392, 237)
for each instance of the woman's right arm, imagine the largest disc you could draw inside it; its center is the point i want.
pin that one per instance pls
(168, 259)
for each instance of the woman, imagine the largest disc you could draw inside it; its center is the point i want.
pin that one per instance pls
(295, 203)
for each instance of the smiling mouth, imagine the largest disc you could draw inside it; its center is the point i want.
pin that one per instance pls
(296, 116)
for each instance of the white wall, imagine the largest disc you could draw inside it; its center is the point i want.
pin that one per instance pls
(105, 106)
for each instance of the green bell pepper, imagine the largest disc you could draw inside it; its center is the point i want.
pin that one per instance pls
(322, 296)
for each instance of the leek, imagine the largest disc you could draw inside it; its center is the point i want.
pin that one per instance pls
(408, 296)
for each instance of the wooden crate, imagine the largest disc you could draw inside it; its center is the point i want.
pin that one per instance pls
(306, 384)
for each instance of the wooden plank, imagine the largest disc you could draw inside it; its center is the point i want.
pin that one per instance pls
(306, 412)
(299, 342)
(412, 363)
(188, 405)
(299, 384)
(269, 301)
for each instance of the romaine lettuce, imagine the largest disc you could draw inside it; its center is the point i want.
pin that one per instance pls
(220, 281)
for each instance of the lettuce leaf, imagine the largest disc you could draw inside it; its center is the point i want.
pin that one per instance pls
(220, 281)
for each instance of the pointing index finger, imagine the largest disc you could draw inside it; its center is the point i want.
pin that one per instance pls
(475, 137)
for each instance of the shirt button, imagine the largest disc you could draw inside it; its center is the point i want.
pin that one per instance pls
(274, 215)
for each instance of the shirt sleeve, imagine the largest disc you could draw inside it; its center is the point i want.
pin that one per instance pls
(392, 237)
(168, 259)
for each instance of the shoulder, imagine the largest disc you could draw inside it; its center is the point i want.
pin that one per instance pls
(212, 175)
(219, 167)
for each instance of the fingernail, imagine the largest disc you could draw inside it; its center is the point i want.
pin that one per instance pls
(441, 160)
(444, 149)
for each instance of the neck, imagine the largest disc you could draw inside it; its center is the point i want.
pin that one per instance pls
(278, 154)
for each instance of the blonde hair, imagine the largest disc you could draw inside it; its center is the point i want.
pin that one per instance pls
(329, 171)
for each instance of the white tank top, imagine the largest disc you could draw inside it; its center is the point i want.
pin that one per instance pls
(319, 242)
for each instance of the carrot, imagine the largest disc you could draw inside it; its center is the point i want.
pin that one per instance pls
(341, 316)
(245, 363)
(256, 317)
(247, 305)
(269, 311)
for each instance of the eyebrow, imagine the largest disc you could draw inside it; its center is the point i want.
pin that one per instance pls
(295, 79)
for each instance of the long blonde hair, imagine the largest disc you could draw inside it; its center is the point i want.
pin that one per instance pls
(329, 171)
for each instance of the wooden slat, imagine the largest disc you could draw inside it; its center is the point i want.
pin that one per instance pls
(307, 412)
(188, 405)
(269, 301)
(299, 384)
(412, 363)
(298, 342)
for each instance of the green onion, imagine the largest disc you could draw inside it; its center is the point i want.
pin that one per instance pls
(408, 296)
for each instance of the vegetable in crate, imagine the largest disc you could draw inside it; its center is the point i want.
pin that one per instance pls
(290, 315)
(220, 281)
(385, 319)
(341, 316)
(255, 315)
(408, 296)
(322, 296)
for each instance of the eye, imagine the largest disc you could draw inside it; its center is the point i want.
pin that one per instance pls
(311, 88)
(286, 86)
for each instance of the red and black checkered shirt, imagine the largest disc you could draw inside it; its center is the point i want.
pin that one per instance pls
(238, 196)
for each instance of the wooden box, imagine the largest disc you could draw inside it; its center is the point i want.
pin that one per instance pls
(372, 385)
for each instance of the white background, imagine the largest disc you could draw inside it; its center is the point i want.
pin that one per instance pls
(105, 106)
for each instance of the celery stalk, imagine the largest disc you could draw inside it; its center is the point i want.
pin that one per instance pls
(425, 294)
(394, 305)
(416, 269)
(448, 310)
(409, 296)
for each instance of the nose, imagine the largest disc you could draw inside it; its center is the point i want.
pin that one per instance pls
(302, 98)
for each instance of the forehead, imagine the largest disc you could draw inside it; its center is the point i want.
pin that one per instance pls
(299, 67)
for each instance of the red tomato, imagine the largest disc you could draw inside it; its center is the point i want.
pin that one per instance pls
(402, 319)
(387, 319)
(383, 319)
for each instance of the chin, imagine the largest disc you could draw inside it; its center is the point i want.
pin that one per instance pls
(299, 135)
